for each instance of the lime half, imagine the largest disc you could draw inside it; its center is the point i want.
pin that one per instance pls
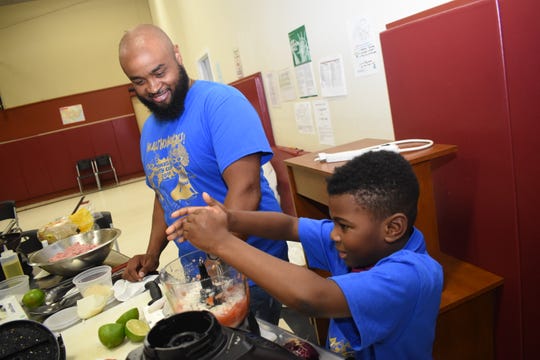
(132, 313)
(136, 330)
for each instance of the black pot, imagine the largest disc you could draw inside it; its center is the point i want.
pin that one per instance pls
(28, 339)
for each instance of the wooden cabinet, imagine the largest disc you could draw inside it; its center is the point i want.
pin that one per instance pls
(466, 317)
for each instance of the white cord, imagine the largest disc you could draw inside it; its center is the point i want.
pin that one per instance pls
(390, 146)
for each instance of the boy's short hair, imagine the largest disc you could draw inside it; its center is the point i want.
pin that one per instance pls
(382, 182)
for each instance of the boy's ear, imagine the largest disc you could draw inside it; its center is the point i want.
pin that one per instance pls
(394, 227)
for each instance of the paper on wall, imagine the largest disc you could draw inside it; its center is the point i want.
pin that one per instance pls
(286, 85)
(364, 46)
(332, 76)
(304, 120)
(321, 112)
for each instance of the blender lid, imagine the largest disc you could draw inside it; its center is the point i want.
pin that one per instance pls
(28, 339)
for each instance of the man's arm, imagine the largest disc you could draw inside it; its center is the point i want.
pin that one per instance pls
(158, 242)
(140, 265)
(243, 183)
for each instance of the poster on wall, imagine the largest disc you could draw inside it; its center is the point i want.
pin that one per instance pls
(306, 80)
(332, 76)
(303, 66)
(321, 112)
(72, 114)
(304, 119)
(238, 64)
(286, 85)
(299, 46)
(364, 47)
(271, 88)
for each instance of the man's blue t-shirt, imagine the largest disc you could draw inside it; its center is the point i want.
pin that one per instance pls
(185, 157)
(394, 305)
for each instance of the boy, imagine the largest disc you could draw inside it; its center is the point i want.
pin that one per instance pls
(384, 291)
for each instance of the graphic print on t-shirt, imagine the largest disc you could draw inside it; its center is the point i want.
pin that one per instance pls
(167, 169)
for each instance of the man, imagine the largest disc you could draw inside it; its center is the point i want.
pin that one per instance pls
(201, 136)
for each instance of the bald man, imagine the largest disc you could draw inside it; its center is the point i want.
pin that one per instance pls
(201, 136)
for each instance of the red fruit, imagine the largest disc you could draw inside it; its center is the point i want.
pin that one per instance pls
(302, 349)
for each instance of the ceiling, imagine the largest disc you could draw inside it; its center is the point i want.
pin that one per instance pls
(11, 2)
(18, 11)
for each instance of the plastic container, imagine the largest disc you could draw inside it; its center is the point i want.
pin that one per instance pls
(62, 320)
(17, 286)
(95, 281)
(11, 266)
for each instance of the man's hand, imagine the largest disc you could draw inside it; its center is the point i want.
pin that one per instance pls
(140, 265)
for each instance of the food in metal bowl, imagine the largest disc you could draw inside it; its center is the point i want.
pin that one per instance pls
(101, 242)
(196, 282)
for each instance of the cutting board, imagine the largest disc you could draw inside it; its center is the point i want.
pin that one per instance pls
(82, 342)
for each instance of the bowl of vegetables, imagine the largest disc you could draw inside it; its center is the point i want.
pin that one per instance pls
(72, 255)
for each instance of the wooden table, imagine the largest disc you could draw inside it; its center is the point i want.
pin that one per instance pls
(466, 316)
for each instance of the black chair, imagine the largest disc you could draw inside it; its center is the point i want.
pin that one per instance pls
(8, 215)
(86, 168)
(105, 165)
(29, 242)
(103, 220)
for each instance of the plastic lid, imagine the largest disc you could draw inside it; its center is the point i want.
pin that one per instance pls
(62, 319)
(7, 253)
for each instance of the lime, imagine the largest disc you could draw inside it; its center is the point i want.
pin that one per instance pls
(136, 330)
(111, 335)
(128, 315)
(33, 298)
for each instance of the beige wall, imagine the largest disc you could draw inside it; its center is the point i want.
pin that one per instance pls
(53, 48)
(259, 29)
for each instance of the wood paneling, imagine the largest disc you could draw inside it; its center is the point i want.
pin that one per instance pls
(39, 153)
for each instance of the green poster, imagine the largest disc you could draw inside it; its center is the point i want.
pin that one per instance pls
(299, 46)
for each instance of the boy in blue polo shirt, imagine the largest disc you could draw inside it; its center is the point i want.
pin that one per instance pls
(384, 291)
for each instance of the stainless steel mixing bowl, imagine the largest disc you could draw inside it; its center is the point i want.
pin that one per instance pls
(103, 238)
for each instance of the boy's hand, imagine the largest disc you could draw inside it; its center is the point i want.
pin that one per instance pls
(177, 231)
(206, 227)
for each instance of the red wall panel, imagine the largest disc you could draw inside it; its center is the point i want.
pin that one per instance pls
(12, 185)
(34, 170)
(43, 117)
(462, 76)
(127, 133)
(42, 152)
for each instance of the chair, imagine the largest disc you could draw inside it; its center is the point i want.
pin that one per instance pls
(8, 215)
(105, 165)
(86, 168)
(103, 220)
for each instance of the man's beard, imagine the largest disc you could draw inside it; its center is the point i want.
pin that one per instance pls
(175, 108)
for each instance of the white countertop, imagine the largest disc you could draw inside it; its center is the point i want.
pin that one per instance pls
(81, 341)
